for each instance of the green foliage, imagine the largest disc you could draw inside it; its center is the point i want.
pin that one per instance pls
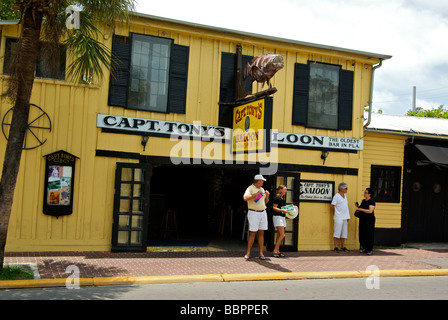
(15, 273)
(439, 112)
(6, 12)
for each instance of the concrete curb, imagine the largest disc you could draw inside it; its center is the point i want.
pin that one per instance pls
(47, 283)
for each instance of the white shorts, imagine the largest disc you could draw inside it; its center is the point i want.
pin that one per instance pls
(279, 221)
(257, 220)
(340, 228)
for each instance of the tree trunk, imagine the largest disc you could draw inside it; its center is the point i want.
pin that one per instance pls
(27, 50)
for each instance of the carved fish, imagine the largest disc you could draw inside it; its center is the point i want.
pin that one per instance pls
(263, 68)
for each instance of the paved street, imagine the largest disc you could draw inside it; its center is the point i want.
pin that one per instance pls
(387, 288)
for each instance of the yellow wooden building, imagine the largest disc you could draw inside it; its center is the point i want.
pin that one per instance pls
(147, 154)
(406, 163)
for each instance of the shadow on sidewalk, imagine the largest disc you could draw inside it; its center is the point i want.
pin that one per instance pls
(55, 269)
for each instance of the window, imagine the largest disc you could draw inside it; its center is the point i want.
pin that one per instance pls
(385, 182)
(151, 74)
(45, 67)
(323, 96)
(150, 62)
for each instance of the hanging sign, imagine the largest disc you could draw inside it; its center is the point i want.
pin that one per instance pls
(251, 126)
(59, 182)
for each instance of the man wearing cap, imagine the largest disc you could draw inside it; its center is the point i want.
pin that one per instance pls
(256, 198)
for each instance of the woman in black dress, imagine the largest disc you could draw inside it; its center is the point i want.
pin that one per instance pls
(366, 222)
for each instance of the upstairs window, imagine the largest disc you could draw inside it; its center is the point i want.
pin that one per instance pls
(323, 96)
(151, 75)
(45, 67)
(150, 62)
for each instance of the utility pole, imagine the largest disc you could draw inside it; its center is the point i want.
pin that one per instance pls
(414, 99)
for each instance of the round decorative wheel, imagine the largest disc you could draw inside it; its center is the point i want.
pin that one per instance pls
(39, 125)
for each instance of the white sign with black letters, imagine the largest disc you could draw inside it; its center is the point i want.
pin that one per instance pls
(215, 133)
(283, 139)
(317, 191)
(162, 128)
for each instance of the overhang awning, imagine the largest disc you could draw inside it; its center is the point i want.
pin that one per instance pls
(436, 155)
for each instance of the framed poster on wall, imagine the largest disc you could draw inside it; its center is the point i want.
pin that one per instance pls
(59, 182)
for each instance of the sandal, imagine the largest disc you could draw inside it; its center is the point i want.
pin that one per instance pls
(262, 257)
(246, 257)
(278, 254)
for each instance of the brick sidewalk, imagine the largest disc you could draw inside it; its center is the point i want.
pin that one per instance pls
(52, 265)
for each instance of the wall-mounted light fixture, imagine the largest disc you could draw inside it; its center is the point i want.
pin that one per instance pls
(324, 155)
(144, 141)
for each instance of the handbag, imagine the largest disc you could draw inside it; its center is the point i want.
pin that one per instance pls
(358, 214)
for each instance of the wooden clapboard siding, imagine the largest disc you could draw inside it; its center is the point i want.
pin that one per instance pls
(73, 108)
(384, 150)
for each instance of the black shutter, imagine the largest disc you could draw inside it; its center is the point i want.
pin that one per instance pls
(119, 80)
(177, 96)
(248, 84)
(227, 90)
(345, 100)
(300, 99)
(228, 68)
(227, 87)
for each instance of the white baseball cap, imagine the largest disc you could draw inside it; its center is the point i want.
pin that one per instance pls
(259, 177)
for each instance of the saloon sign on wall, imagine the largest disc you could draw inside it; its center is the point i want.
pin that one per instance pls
(316, 191)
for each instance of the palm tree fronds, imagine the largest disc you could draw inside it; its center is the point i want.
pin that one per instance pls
(88, 57)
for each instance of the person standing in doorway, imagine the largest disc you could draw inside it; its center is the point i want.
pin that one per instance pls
(279, 218)
(256, 198)
(339, 205)
(366, 222)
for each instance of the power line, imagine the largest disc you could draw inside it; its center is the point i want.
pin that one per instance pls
(426, 95)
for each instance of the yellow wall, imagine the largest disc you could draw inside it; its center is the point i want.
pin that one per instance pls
(316, 219)
(384, 150)
(73, 110)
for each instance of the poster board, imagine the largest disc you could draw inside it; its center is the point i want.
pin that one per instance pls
(59, 183)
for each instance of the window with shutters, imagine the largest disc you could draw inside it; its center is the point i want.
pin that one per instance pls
(151, 75)
(323, 96)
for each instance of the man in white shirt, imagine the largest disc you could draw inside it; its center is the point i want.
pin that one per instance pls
(256, 198)
(339, 205)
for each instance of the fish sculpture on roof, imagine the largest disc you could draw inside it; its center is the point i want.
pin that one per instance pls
(263, 68)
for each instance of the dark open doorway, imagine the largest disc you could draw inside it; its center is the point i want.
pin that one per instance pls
(197, 205)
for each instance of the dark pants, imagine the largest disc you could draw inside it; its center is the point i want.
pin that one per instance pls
(367, 232)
